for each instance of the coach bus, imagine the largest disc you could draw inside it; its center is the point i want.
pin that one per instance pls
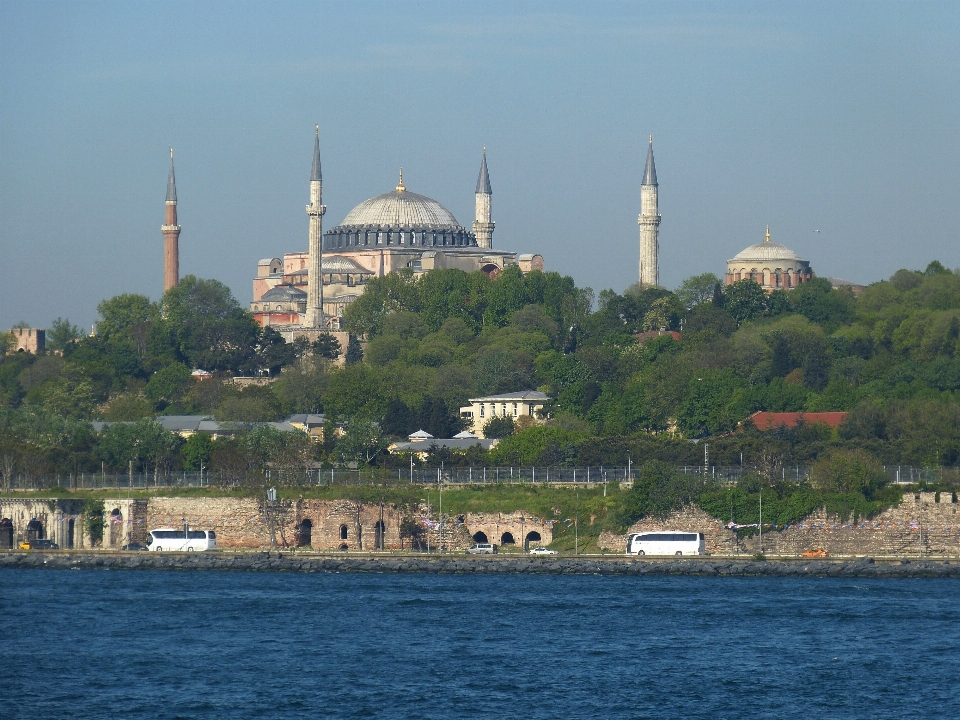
(172, 539)
(666, 542)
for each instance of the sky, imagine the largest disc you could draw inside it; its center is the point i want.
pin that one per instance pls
(833, 123)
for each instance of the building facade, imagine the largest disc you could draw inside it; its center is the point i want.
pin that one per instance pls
(525, 403)
(396, 230)
(772, 265)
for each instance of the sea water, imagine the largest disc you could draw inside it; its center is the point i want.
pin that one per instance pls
(156, 644)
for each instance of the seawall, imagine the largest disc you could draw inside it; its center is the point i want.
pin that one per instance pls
(460, 564)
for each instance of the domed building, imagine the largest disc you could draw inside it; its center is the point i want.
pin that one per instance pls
(772, 265)
(389, 232)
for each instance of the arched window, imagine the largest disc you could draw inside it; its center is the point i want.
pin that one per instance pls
(480, 537)
(507, 539)
(343, 532)
(304, 533)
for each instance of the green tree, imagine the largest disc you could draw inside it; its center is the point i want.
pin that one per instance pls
(168, 384)
(62, 333)
(697, 289)
(130, 317)
(848, 471)
(744, 300)
(204, 326)
(498, 426)
(197, 451)
(326, 346)
(354, 351)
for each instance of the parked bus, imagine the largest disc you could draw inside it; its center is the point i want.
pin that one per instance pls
(171, 539)
(667, 542)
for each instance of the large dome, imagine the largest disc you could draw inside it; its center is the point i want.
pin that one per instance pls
(401, 209)
(765, 252)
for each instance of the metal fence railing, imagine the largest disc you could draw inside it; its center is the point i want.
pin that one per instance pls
(589, 476)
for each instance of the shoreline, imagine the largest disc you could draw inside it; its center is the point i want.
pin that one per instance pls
(280, 561)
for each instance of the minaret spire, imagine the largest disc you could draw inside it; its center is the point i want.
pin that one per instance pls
(649, 222)
(171, 234)
(483, 225)
(315, 211)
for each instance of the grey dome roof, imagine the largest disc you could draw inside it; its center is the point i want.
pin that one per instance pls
(401, 208)
(765, 252)
(284, 293)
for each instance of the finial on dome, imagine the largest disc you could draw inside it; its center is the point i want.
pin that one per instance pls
(171, 153)
(400, 185)
(768, 234)
(318, 129)
(651, 139)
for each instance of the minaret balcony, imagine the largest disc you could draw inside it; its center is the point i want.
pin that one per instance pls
(314, 210)
(169, 228)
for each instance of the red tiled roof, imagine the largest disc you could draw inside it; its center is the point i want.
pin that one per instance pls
(651, 334)
(772, 420)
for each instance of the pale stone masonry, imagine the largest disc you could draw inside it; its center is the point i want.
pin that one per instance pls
(315, 211)
(649, 222)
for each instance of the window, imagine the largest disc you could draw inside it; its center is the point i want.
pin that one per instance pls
(343, 532)
(481, 411)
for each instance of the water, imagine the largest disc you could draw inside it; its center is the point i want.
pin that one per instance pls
(150, 644)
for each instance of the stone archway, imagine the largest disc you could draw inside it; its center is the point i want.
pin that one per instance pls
(379, 533)
(532, 537)
(507, 539)
(480, 537)
(6, 534)
(34, 530)
(305, 533)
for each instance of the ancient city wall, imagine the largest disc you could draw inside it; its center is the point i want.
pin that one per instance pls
(895, 531)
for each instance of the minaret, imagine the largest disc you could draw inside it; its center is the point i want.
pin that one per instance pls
(649, 222)
(483, 225)
(315, 211)
(171, 235)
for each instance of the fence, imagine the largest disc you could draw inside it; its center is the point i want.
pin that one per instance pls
(589, 476)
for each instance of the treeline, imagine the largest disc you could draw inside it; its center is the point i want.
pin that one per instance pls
(620, 388)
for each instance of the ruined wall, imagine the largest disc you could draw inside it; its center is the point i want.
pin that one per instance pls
(59, 520)
(895, 531)
(717, 538)
(516, 528)
(238, 522)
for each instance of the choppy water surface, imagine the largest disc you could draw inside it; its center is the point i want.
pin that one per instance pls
(143, 644)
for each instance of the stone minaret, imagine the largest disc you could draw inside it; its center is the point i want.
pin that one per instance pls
(483, 225)
(649, 221)
(171, 235)
(315, 211)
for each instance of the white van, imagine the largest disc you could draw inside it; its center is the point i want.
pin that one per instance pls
(666, 542)
(173, 540)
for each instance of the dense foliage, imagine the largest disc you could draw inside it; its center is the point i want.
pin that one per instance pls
(622, 388)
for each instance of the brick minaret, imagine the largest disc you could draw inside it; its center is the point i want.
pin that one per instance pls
(483, 225)
(171, 235)
(315, 211)
(649, 222)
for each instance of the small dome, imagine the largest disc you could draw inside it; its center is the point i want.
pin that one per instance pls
(401, 209)
(765, 252)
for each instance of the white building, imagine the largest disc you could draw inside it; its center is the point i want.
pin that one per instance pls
(525, 403)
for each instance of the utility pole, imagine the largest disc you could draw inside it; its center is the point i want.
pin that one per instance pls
(760, 525)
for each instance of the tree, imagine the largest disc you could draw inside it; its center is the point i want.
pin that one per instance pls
(168, 384)
(361, 442)
(498, 426)
(354, 351)
(62, 333)
(848, 471)
(697, 289)
(205, 327)
(130, 317)
(197, 451)
(273, 352)
(326, 346)
(744, 300)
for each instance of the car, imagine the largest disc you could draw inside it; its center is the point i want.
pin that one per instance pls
(539, 550)
(134, 546)
(482, 549)
(815, 553)
(39, 544)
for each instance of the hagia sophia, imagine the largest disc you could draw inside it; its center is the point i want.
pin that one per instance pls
(305, 293)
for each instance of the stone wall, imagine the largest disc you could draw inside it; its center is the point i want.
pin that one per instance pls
(27, 518)
(717, 538)
(895, 531)
(509, 529)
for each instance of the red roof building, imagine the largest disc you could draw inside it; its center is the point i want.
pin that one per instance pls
(774, 420)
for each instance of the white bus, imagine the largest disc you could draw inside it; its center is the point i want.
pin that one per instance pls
(172, 539)
(666, 542)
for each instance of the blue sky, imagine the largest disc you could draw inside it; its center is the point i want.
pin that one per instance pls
(837, 117)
